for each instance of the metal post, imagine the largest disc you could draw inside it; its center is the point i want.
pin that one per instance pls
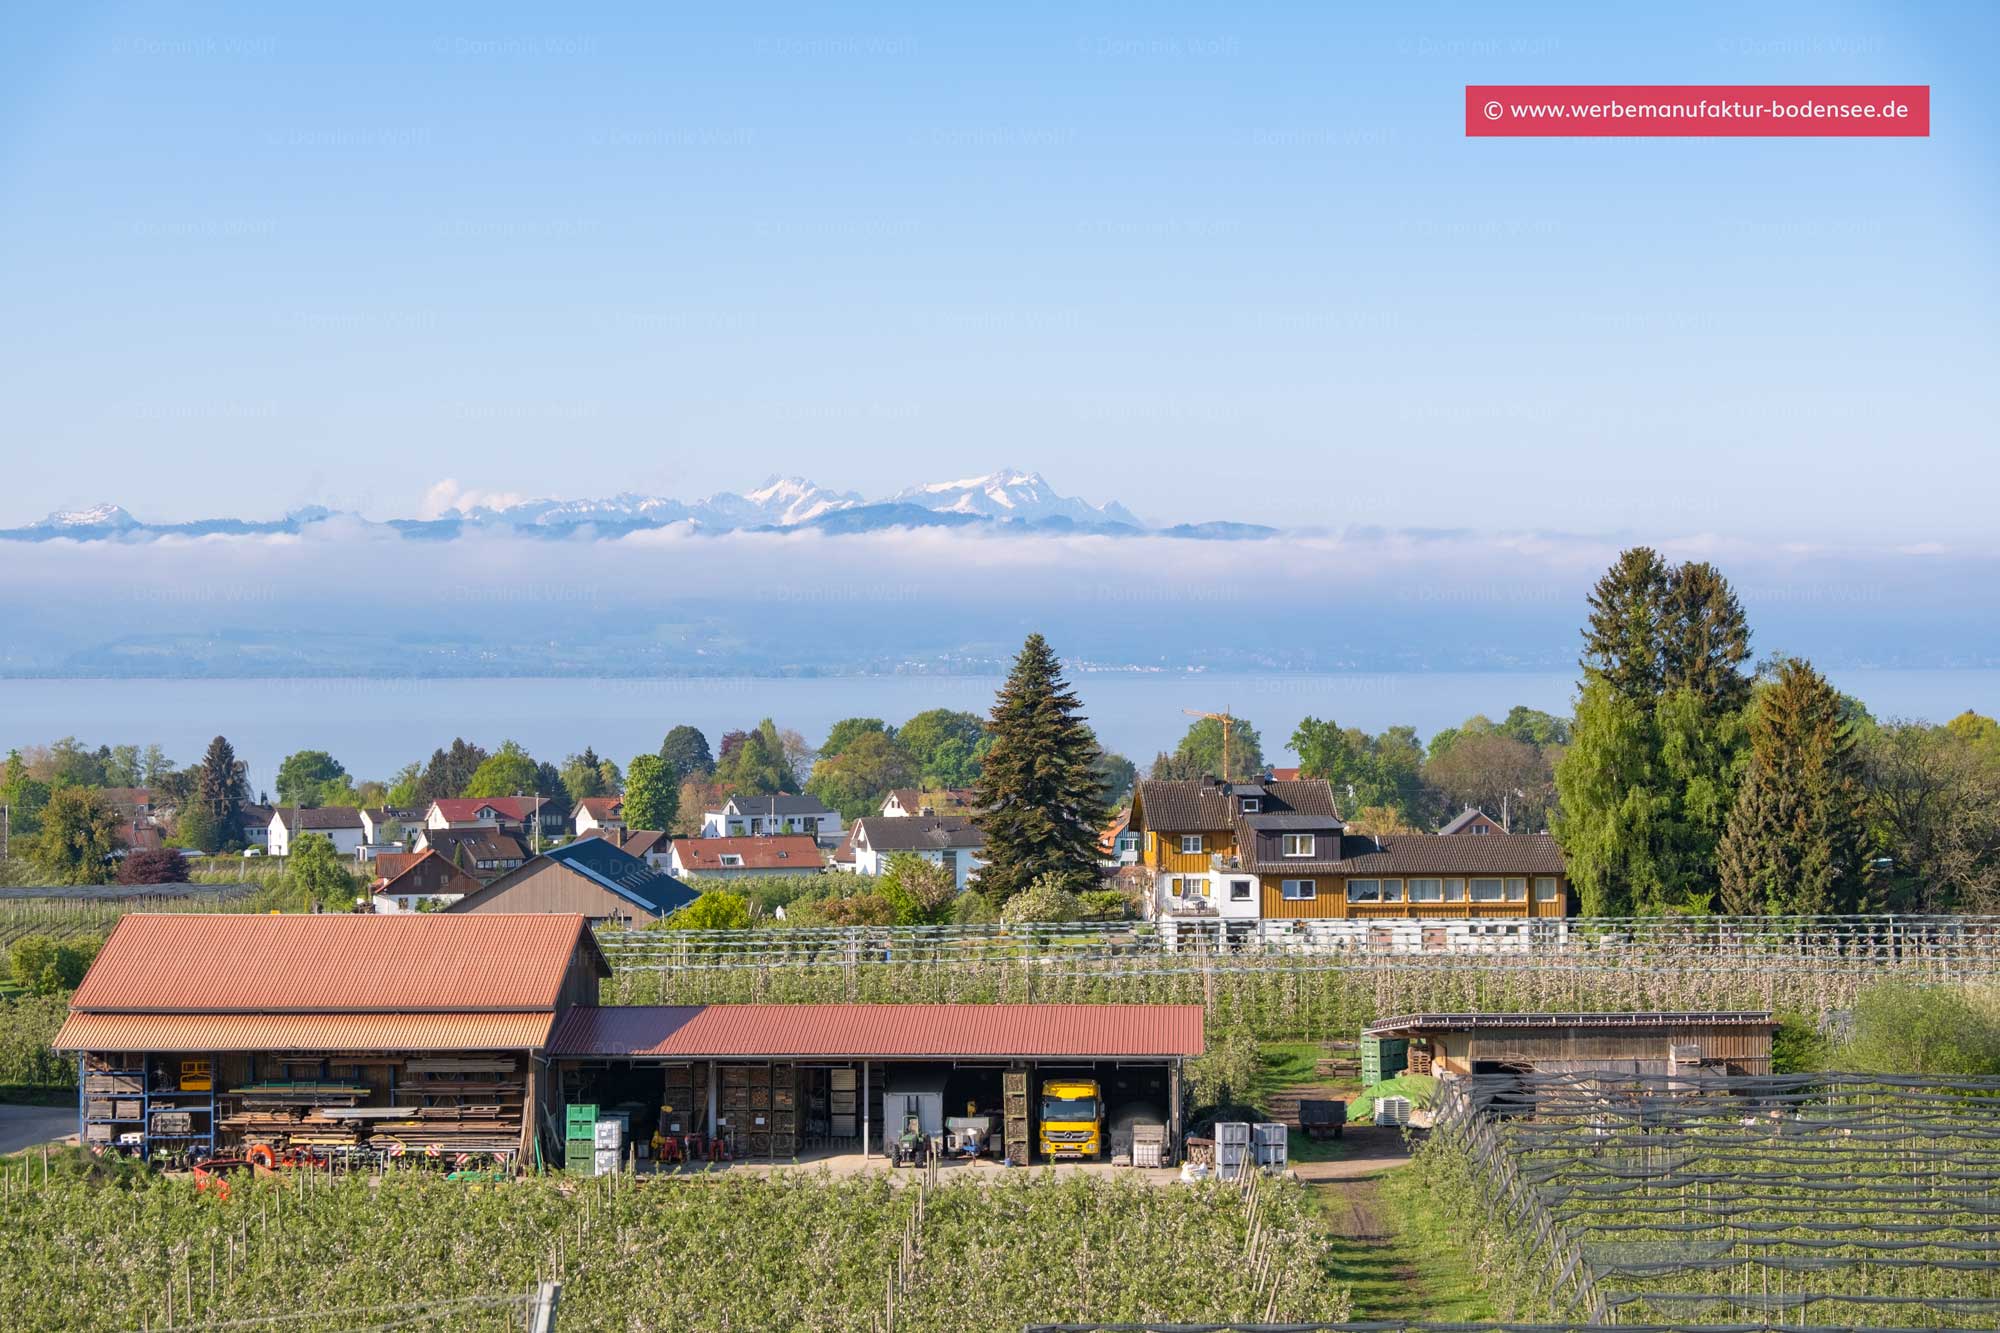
(712, 1134)
(543, 1311)
(864, 1110)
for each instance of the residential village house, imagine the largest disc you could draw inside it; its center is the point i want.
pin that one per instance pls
(905, 801)
(1471, 820)
(590, 877)
(340, 824)
(762, 816)
(525, 817)
(649, 845)
(605, 814)
(255, 827)
(482, 852)
(1277, 850)
(428, 881)
(951, 841)
(744, 858)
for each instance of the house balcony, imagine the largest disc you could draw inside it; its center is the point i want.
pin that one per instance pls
(1224, 861)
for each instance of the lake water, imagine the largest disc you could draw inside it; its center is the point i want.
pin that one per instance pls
(376, 726)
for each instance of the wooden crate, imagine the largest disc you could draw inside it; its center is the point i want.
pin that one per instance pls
(129, 1108)
(113, 1085)
(1014, 1082)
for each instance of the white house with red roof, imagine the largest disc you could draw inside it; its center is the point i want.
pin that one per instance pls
(746, 857)
(518, 815)
(600, 814)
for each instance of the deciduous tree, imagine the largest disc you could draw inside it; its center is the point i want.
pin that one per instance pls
(78, 836)
(1200, 751)
(1934, 808)
(316, 877)
(717, 909)
(686, 751)
(946, 745)
(508, 771)
(652, 798)
(921, 891)
(844, 732)
(305, 777)
(156, 865)
(855, 780)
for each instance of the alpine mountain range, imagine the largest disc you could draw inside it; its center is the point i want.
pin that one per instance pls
(1008, 499)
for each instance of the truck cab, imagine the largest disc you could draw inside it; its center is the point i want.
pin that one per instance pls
(1072, 1118)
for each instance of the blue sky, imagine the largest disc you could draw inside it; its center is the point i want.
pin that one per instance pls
(1213, 262)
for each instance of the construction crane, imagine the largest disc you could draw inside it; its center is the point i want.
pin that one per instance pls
(1227, 722)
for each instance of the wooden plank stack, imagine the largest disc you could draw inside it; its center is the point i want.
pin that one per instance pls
(1014, 1090)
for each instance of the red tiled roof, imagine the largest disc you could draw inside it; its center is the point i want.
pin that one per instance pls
(237, 963)
(305, 1032)
(602, 807)
(507, 807)
(1284, 775)
(882, 1031)
(783, 851)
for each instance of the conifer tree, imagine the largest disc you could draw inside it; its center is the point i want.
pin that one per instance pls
(1628, 609)
(1796, 842)
(1655, 759)
(1040, 796)
(218, 795)
(1704, 637)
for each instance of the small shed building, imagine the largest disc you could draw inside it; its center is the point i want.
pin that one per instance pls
(1453, 1044)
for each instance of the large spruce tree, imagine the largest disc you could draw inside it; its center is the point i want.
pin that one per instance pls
(219, 794)
(1796, 841)
(1622, 641)
(1704, 638)
(1658, 749)
(1040, 796)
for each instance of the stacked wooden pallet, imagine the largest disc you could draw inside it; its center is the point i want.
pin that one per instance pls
(758, 1108)
(684, 1104)
(1014, 1088)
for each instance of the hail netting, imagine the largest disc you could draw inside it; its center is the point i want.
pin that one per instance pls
(1842, 1198)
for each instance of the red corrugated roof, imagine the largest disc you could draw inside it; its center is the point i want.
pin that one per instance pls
(882, 1031)
(240, 963)
(304, 1032)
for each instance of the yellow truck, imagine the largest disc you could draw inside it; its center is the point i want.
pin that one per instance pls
(1072, 1118)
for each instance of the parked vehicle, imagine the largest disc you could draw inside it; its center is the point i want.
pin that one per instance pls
(1072, 1118)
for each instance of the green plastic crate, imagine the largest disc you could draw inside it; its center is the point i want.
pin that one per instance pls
(583, 1116)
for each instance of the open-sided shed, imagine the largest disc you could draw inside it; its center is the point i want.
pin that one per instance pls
(342, 1035)
(780, 1079)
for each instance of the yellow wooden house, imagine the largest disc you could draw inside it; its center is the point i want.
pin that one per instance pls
(1279, 851)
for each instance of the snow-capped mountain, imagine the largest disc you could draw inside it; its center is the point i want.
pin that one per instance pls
(782, 501)
(1007, 499)
(1012, 494)
(623, 508)
(96, 516)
